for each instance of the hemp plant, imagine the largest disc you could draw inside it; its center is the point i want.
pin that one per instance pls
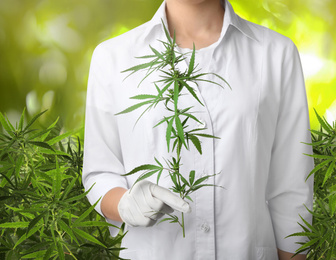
(178, 134)
(321, 234)
(44, 212)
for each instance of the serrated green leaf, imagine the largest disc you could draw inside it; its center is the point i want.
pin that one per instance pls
(169, 131)
(165, 119)
(189, 198)
(218, 76)
(87, 236)
(202, 179)
(142, 168)
(158, 176)
(48, 253)
(22, 119)
(26, 235)
(157, 161)
(7, 178)
(69, 187)
(303, 234)
(33, 120)
(55, 152)
(320, 156)
(5, 125)
(85, 214)
(29, 215)
(309, 243)
(40, 188)
(197, 187)
(176, 94)
(324, 123)
(95, 224)
(164, 219)
(41, 144)
(43, 137)
(157, 54)
(309, 225)
(332, 204)
(210, 81)
(79, 197)
(166, 32)
(38, 134)
(3, 137)
(143, 96)
(165, 88)
(67, 229)
(196, 143)
(33, 222)
(191, 91)
(179, 128)
(60, 250)
(192, 61)
(329, 172)
(173, 178)
(188, 116)
(207, 136)
(61, 137)
(145, 175)
(136, 106)
(57, 181)
(318, 167)
(191, 177)
(319, 133)
(4, 150)
(52, 231)
(183, 179)
(33, 248)
(14, 224)
(146, 57)
(35, 255)
(141, 66)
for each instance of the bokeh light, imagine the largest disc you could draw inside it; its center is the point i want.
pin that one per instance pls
(46, 47)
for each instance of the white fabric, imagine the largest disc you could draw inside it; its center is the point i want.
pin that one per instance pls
(261, 123)
(146, 202)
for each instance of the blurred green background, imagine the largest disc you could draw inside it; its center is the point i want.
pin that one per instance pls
(46, 47)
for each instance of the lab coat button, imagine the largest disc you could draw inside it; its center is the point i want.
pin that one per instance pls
(205, 227)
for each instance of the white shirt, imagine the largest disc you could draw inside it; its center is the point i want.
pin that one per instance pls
(261, 123)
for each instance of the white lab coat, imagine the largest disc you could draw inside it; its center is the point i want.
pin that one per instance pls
(261, 123)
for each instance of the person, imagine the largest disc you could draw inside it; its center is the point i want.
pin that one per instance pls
(262, 124)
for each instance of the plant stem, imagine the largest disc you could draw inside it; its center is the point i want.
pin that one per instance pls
(183, 230)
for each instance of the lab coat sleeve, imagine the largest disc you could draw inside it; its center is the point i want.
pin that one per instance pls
(103, 163)
(288, 191)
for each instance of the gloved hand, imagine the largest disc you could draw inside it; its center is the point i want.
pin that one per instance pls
(146, 202)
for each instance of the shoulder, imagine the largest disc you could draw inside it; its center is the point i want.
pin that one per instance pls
(125, 43)
(268, 38)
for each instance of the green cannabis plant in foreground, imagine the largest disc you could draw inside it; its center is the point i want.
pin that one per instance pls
(44, 213)
(321, 234)
(178, 135)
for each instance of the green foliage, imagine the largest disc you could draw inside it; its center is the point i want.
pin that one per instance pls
(44, 213)
(178, 133)
(46, 48)
(322, 233)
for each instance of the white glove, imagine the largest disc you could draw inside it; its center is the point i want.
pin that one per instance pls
(146, 202)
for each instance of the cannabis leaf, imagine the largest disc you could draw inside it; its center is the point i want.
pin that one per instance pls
(178, 134)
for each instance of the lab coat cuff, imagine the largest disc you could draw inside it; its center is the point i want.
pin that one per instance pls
(102, 183)
(290, 244)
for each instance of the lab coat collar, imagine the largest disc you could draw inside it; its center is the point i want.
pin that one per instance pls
(230, 18)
